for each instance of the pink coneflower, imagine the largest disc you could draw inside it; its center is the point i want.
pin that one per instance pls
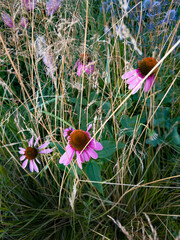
(136, 76)
(77, 140)
(29, 4)
(24, 22)
(7, 20)
(52, 6)
(88, 67)
(31, 152)
(68, 131)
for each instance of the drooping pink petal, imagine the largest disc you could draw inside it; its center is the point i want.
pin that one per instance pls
(89, 127)
(136, 89)
(23, 149)
(31, 142)
(148, 83)
(67, 157)
(86, 156)
(134, 83)
(77, 64)
(36, 141)
(89, 68)
(128, 74)
(79, 70)
(22, 158)
(35, 166)
(25, 163)
(78, 160)
(96, 145)
(44, 145)
(38, 161)
(22, 152)
(31, 166)
(46, 151)
(132, 79)
(92, 153)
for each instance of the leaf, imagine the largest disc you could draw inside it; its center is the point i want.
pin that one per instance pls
(93, 172)
(109, 147)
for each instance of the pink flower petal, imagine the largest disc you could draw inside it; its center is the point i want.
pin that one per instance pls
(92, 153)
(133, 79)
(67, 157)
(148, 83)
(79, 70)
(23, 149)
(38, 161)
(78, 160)
(89, 127)
(96, 145)
(46, 151)
(31, 166)
(35, 166)
(36, 141)
(136, 89)
(86, 156)
(128, 74)
(22, 158)
(76, 64)
(21, 152)
(31, 142)
(25, 163)
(89, 68)
(44, 145)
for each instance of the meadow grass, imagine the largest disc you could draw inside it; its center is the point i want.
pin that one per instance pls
(132, 190)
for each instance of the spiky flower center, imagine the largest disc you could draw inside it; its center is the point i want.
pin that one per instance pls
(146, 65)
(85, 58)
(78, 139)
(31, 153)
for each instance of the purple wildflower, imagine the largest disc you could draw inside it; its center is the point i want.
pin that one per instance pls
(68, 131)
(88, 67)
(135, 77)
(77, 140)
(7, 20)
(29, 4)
(52, 6)
(24, 22)
(31, 152)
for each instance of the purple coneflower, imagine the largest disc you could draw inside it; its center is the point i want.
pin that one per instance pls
(135, 77)
(7, 20)
(68, 131)
(88, 67)
(31, 152)
(77, 140)
(52, 6)
(24, 22)
(29, 4)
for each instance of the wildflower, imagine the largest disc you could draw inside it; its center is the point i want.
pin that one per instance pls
(7, 20)
(24, 22)
(68, 131)
(31, 152)
(170, 16)
(156, 8)
(88, 67)
(29, 4)
(52, 6)
(77, 140)
(147, 4)
(135, 77)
